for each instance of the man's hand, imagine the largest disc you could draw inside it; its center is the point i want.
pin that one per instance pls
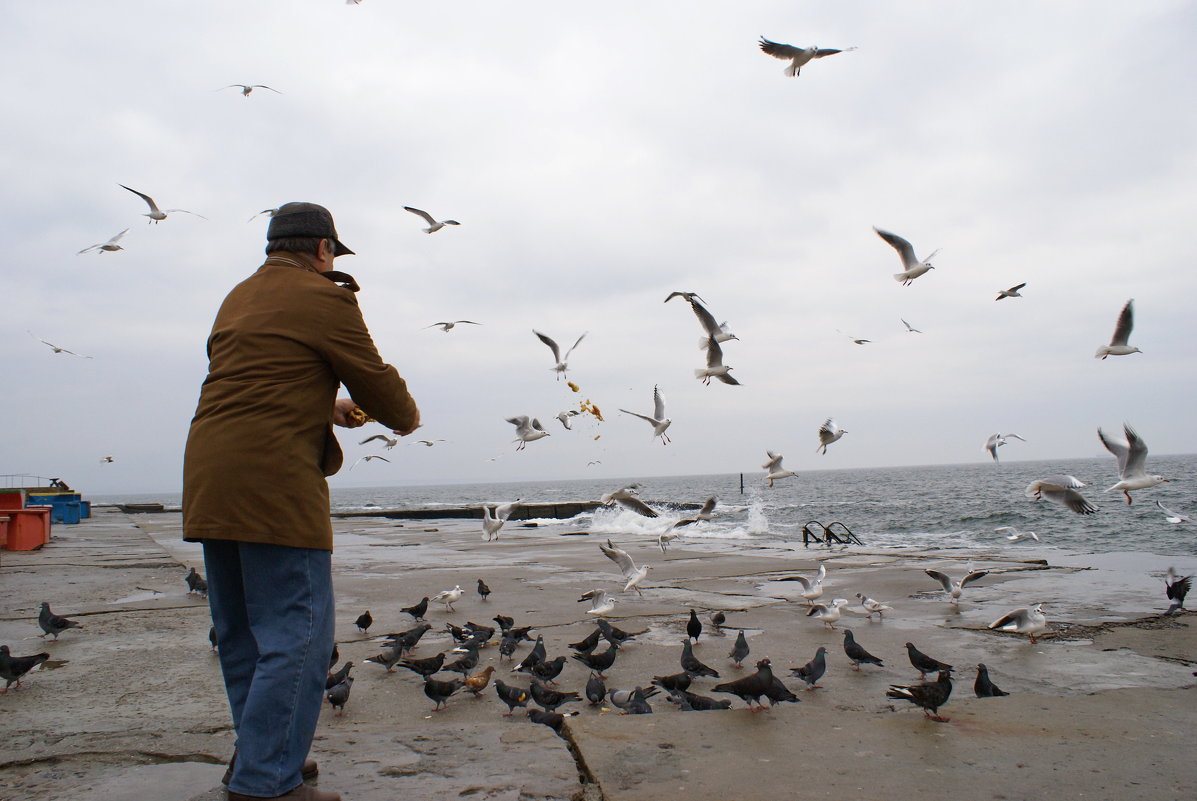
(342, 414)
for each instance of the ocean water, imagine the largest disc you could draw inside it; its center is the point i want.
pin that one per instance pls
(947, 506)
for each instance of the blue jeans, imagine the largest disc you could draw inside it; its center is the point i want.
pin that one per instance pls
(272, 606)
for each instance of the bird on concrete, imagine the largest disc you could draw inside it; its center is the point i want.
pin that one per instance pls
(739, 651)
(828, 613)
(156, 214)
(635, 701)
(813, 670)
(692, 665)
(479, 681)
(439, 691)
(417, 610)
(338, 695)
(424, 667)
(549, 698)
(693, 627)
(549, 669)
(1132, 462)
(388, 658)
(1122, 330)
(797, 56)
(673, 682)
(464, 663)
(511, 695)
(364, 621)
(983, 687)
(406, 640)
(247, 90)
(717, 618)
(778, 693)
(483, 592)
(955, 587)
(829, 432)
(493, 518)
(196, 583)
(215, 644)
(1061, 489)
(812, 589)
(1026, 620)
(872, 606)
(434, 225)
(12, 668)
(600, 661)
(448, 597)
(750, 688)
(333, 658)
(554, 720)
(1176, 587)
(924, 664)
(334, 679)
(912, 268)
(587, 643)
(930, 696)
(692, 702)
(857, 654)
(774, 469)
(1012, 292)
(561, 363)
(53, 624)
(596, 689)
(534, 657)
(527, 429)
(614, 634)
(109, 246)
(996, 441)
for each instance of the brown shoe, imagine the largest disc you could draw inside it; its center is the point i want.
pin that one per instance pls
(301, 793)
(310, 770)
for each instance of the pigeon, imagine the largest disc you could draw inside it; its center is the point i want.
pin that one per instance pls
(439, 691)
(693, 627)
(912, 268)
(1012, 292)
(715, 367)
(338, 695)
(658, 420)
(739, 651)
(433, 224)
(505, 622)
(417, 610)
(1176, 587)
(1175, 518)
(424, 667)
(110, 246)
(633, 702)
(480, 631)
(212, 639)
(922, 663)
(1028, 621)
(829, 614)
(713, 329)
(247, 90)
(551, 699)
(479, 681)
(1132, 462)
(450, 325)
(406, 640)
(463, 664)
(389, 657)
(1061, 489)
(387, 442)
(587, 643)
(507, 646)
(364, 621)
(983, 687)
(797, 56)
(598, 662)
(561, 364)
(778, 693)
(872, 606)
(692, 666)
(155, 214)
(718, 618)
(12, 668)
(484, 593)
(613, 634)
(774, 468)
(930, 696)
(596, 689)
(856, 652)
(336, 678)
(955, 588)
(527, 429)
(632, 575)
(549, 669)
(534, 657)
(554, 720)
(333, 658)
(448, 597)
(626, 497)
(750, 688)
(692, 702)
(511, 695)
(996, 441)
(813, 670)
(674, 682)
(829, 432)
(53, 624)
(196, 583)
(1122, 332)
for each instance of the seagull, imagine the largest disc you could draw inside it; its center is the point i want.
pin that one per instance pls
(1012, 292)
(955, 588)
(564, 417)
(626, 497)
(601, 602)
(1016, 535)
(855, 341)
(632, 574)
(774, 468)
(561, 364)
(910, 329)
(1061, 489)
(527, 429)
(493, 520)
(873, 607)
(428, 443)
(715, 367)
(1122, 332)
(1023, 621)
(1175, 518)
(267, 212)
(448, 597)
(667, 536)
(433, 225)
(156, 214)
(56, 348)
(797, 56)
(812, 589)
(707, 512)
(368, 458)
(712, 328)
(109, 460)
(912, 267)
(388, 442)
(110, 245)
(829, 432)
(658, 420)
(996, 441)
(686, 296)
(246, 90)
(1176, 587)
(1132, 459)
(829, 614)
(448, 326)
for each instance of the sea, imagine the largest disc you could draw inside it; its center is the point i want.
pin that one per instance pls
(930, 507)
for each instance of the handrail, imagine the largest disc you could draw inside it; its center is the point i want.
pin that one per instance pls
(828, 536)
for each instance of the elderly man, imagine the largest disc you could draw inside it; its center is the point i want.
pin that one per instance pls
(255, 492)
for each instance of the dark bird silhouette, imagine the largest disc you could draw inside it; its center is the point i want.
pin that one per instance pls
(983, 687)
(417, 610)
(407, 640)
(549, 669)
(923, 663)
(511, 695)
(425, 667)
(483, 590)
(12, 668)
(693, 627)
(332, 660)
(458, 633)
(691, 702)
(813, 670)
(778, 693)
(477, 630)
(739, 651)
(507, 646)
(554, 720)
(549, 698)
(364, 621)
(588, 643)
(520, 632)
(388, 658)
(856, 652)
(613, 634)
(52, 623)
(1176, 588)
(338, 694)
(750, 688)
(336, 678)
(504, 622)
(673, 682)
(691, 665)
(598, 662)
(212, 638)
(464, 664)
(534, 657)
(930, 696)
(596, 689)
(717, 618)
(439, 691)
(479, 681)
(196, 583)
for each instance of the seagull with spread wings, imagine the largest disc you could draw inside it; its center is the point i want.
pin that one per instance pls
(527, 429)
(912, 268)
(1132, 462)
(1122, 332)
(658, 421)
(434, 224)
(715, 367)
(367, 459)
(561, 364)
(247, 90)
(110, 246)
(1012, 292)
(632, 575)
(387, 442)
(1061, 489)
(797, 56)
(626, 497)
(996, 441)
(56, 348)
(156, 214)
(449, 326)
(829, 432)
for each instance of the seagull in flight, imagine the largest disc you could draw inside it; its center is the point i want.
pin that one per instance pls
(707, 512)
(912, 268)
(434, 225)
(829, 432)
(448, 326)
(1122, 332)
(156, 214)
(1016, 535)
(774, 468)
(1132, 462)
(910, 329)
(368, 458)
(267, 212)
(632, 575)
(955, 587)
(996, 441)
(110, 245)
(715, 367)
(658, 421)
(1061, 489)
(797, 56)
(388, 442)
(564, 417)
(561, 363)
(1012, 292)
(689, 297)
(626, 497)
(246, 90)
(428, 443)
(1175, 518)
(714, 329)
(527, 429)
(56, 348)
(855, 341)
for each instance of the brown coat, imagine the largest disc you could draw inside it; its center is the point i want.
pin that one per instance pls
(261, 443)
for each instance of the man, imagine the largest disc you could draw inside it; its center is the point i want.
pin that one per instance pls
(255, 492)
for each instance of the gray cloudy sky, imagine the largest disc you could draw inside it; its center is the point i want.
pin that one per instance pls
(599, 158)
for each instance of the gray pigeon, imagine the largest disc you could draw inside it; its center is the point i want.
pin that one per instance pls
(12, 668)
(813, 670)
(691, 665)
(554, 720)
(596, 689)
(983, 687)
(924, 664)
(388, 658)
(635, 701)
(739, 651)
(338, 694)
(52, 623)
(857, 653)
(692, 702)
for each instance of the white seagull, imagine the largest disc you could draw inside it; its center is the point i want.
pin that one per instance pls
(387, 442)
(1176, 518)
(1023, 621)
(267, 212)
(448, 326)
(812, 589)
(527, 429)
(828, 613)
(56, 348)
(447, 597)
(1122, 332)
(910, 329)
(626, 497)
(829, 432)
(797, 56)
(774, 468)
(433, 224)
(601, 602)
(873, 607)
(492, 521)
(715, 329)
(1061, 489)
(911, 266)
(110, 245)
(955, 588)
(658, 421)
(246, 90)
(367, 459)
(632, 575)
(855, 340)
(996, 441)
(428, 443)
(1012, 292)
(1016, 535)
(715, 367)
(707, 512)
(1132, 462)
(156, 214)
(564, 417)
(560, 364)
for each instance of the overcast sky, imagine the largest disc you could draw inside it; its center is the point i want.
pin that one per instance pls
(599, 157)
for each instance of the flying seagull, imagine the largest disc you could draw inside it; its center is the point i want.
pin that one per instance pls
(910, 329)
(561, 364)
(1122, 332)
(247, 89)
(1012, 292)
(1176, 587)
(774, 468)
(689, 297)
(632, 575)
(911, 266)
(626, 497)
(1176, 518)
(433, 224)
(527, 429)
(267, 212)
(715, 367)
(829, 432)
(714, 329)
(797, 56)
(996, 441)
(448, 326)
(1061, 489)
(1132, 462)
(110, 245)
(955, 587)
(855, 340)
(1016, 535)
(658, 420)
(368, 458)
(601, 602)
(56, 348)
(564, 417)
(156, 214)
(388, 442)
